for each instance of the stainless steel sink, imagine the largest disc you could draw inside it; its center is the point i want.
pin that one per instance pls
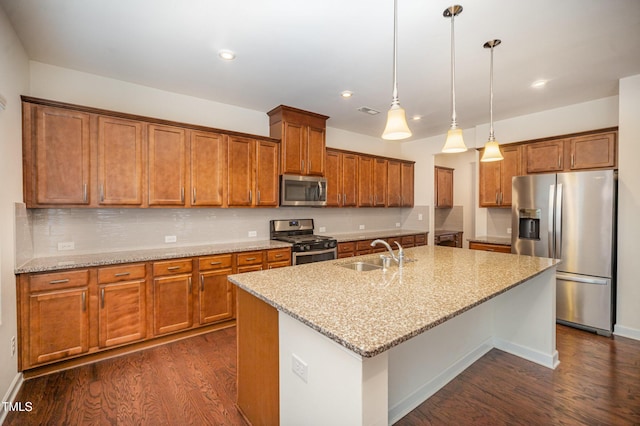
(362, 266)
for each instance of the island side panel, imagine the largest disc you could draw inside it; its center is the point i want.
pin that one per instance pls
(257, 366)
(341, 387)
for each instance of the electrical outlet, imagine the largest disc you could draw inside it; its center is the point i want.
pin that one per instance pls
(299, 367)
(253, 233)
(419, 216)
(170, 239)
(397, 224)
(361, 227)
(322, 229)
(68, 245)
(509, 231)
(13, 346)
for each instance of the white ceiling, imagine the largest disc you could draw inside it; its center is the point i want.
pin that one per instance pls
(303, 54)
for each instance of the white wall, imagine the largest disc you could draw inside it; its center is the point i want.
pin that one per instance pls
(628, 314)
(14, 81)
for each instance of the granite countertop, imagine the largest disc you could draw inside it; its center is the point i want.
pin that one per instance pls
(370, 235)
(505, 241)
(370, 312)
(55, 263)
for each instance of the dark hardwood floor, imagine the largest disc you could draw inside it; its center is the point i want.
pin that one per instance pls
(193, 382)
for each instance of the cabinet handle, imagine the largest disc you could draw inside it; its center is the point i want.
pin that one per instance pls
(102, 298)
(344, 199)
(249, 259)
(194, 195)
(278, 255)
(572, 162)
(173, 268)
(202, 283)
(302, 165)
(558, 161)
(66, 280)
(497, 198)
(190, 287)
(309, 164)
(215, 263)
(102, 192)
(258, 196)
(250, 196)
(122, 274)
(182, 194)
(84, 192)
(84, 301)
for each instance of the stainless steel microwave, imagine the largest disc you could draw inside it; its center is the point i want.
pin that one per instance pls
(303, 191)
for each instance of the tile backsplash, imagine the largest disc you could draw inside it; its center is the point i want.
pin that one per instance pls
(39, 231)
(449, 219)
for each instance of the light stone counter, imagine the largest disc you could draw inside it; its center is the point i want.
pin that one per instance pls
(371, 312)
(55, 263)
(370, 235)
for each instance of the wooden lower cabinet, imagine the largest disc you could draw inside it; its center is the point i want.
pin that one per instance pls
(216, 301)
(362, 247)
(172, 296)
(500, 248)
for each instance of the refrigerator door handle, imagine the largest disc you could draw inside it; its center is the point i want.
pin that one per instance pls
(583, 279)
(558, 222)
(552, 190)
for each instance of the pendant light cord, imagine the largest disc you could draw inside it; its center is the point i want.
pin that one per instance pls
(491, 135)
(395, 53)
(454, 123)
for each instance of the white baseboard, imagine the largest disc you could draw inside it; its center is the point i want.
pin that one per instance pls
(10, 396)
(549, 361)
(622, 331)
(408, 404)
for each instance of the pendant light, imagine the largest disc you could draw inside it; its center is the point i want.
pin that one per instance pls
(454, 142)
(396, 127)
(491, 148)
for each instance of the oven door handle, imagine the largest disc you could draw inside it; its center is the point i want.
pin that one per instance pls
(314, 253)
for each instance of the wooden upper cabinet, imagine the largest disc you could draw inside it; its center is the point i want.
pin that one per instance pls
(365, 174)
(266, 179)
(443, 187)
(303, 136)
(121, 162)
(545, 157)
(509, 168)
(349, 180)
(60, 148)
(341, 172)
(496, 176)
(379, 182)
(167, 165)
(407, 183)
(333, 174)
(593, 151)
(394, 194)
(208, 169)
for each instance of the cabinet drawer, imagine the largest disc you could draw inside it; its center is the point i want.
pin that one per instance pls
(250, 258)
(58, 280)
(113, 274)
(172, 267)
(490, 247)
(408, 241)
(279, 255)
(215, 262)
(363, 245)
(346, 248)
(421, 240)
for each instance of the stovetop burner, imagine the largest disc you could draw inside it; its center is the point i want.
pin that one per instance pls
(299, 232)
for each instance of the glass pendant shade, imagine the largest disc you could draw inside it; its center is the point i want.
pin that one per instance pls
(454, 142)
(397, 127)
(491, 152)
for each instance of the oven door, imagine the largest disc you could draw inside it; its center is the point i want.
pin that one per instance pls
(314, 256)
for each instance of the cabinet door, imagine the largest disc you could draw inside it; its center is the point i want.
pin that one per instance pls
(444, 187)
(593, 151)
(208, 164)
(58, 325)
(120, 161)
(349, 180)
(490, 184)
(509, 168)
(293, 146)
(172, 308)
(266, 182)
(365, 173)
(394, 195)
(240, 172)
(62, 156)
(333, 174)
(406, 183)
(123, 313)
(379, 182)
(315, 151)
(216, 296)
(545, 157)
(167, 165)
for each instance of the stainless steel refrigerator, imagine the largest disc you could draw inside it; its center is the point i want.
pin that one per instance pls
(572, 217)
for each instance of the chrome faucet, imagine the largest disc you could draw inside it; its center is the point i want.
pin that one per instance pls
(399, 259)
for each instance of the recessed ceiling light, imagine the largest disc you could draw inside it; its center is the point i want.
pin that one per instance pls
(227, 55)
(416, 117)
(346, 94)
(539, 84)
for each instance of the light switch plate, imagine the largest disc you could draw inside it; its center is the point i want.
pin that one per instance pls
(170, 239)
(68, 245)
(253, 233)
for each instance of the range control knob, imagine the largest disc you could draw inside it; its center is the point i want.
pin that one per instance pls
(306, 247)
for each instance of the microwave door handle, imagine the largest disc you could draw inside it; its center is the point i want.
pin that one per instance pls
(319, 190)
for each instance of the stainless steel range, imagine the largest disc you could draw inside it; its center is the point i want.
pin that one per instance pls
(306, 246)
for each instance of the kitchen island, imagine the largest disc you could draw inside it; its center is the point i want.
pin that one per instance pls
(366, 347)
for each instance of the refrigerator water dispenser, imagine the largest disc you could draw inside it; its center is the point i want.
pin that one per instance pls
(529, 224)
